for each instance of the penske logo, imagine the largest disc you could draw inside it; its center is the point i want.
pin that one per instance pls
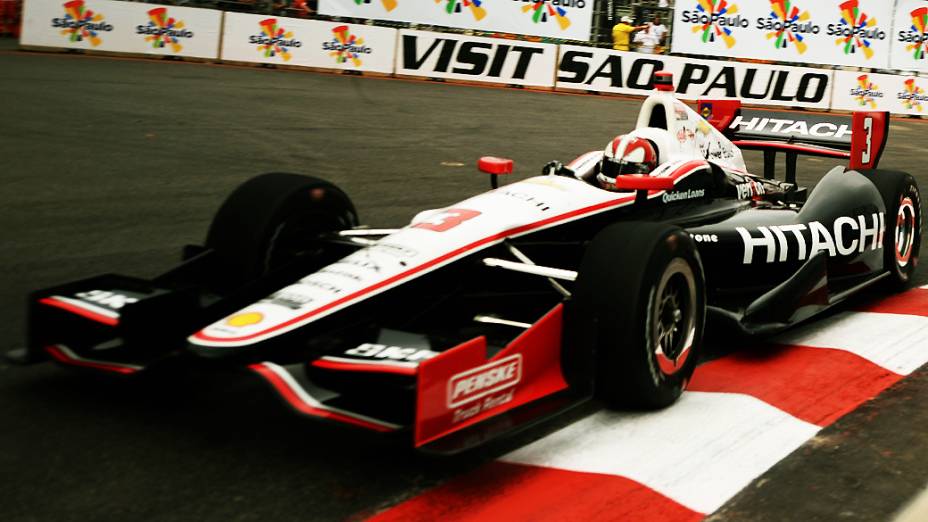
(485, 380)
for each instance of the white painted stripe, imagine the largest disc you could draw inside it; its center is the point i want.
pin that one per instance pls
(896, 342)
(311, 401)
(106, 312)
(700, 452)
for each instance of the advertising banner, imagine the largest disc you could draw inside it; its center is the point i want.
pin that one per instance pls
(493, 60)
(128, 27)
(831, 32)
(308, 43)
(604, 70)
(857, 91)
(910, 36)
(566, 19)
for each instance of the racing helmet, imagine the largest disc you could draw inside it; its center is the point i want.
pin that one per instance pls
(626, 155)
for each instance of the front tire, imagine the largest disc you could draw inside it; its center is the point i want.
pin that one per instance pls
(641, 289)
(271, 219)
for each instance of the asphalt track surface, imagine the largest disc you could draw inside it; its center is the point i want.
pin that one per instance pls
(109, 165)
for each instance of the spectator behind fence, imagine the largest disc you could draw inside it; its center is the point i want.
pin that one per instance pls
(298, 8)
(659, 32)
(646, 42)
(622, 33)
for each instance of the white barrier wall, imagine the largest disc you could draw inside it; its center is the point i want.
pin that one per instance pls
(106, 25)
(857, 91)
(604, 70)
(492, 60)
(830, 32)
(129, 27)
(566, 19)
(308, 43)
(909, 50)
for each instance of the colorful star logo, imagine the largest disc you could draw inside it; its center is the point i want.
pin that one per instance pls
(712, 29)
(786, 15)
(919, 25)
(345, 45)
(277, 39)
(542, 11)
(456, 6)
(866, 91)
(857, 22)
(913, 96)
(164, 29)
(79, 22)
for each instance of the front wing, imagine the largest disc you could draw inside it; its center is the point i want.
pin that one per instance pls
(461, 391)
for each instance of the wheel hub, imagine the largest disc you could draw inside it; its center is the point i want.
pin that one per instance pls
(674, 325)
(905, 232)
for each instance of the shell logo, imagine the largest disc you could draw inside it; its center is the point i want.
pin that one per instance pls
(245, 319)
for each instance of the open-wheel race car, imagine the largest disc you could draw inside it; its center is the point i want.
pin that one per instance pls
(594, 279)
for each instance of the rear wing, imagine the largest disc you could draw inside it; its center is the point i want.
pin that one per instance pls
(859, 138)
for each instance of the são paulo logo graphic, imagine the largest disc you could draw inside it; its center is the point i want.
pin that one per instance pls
(457, 6)
(913, 96)
(788, 25)
(716, 20)
(856, 30)
(81, 24)
(866, 93)
(389, 5)
(274, 40)
(544, 10)
(916, 37)
(163, 30)
(346, 47)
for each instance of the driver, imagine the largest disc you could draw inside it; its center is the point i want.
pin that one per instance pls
(626, 155)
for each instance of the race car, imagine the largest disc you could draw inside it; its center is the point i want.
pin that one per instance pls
(593, 280)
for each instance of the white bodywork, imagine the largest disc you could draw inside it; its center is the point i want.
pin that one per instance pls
(431, 241)
(437, 238)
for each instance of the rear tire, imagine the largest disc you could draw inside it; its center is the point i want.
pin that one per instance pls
(641, 289)
(902, 237)
(272, 218)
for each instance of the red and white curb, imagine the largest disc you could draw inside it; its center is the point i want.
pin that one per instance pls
(742, 414)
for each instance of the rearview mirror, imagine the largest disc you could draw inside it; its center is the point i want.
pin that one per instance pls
(495, 167)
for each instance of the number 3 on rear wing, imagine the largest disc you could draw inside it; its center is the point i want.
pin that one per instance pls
(860, 138)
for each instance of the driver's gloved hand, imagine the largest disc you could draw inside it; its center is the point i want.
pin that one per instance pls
(556, 168)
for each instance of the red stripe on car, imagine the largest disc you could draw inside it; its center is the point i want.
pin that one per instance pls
(363, 367)
(78, 310)
(65, 356)
(292, 396)
(421, 268)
